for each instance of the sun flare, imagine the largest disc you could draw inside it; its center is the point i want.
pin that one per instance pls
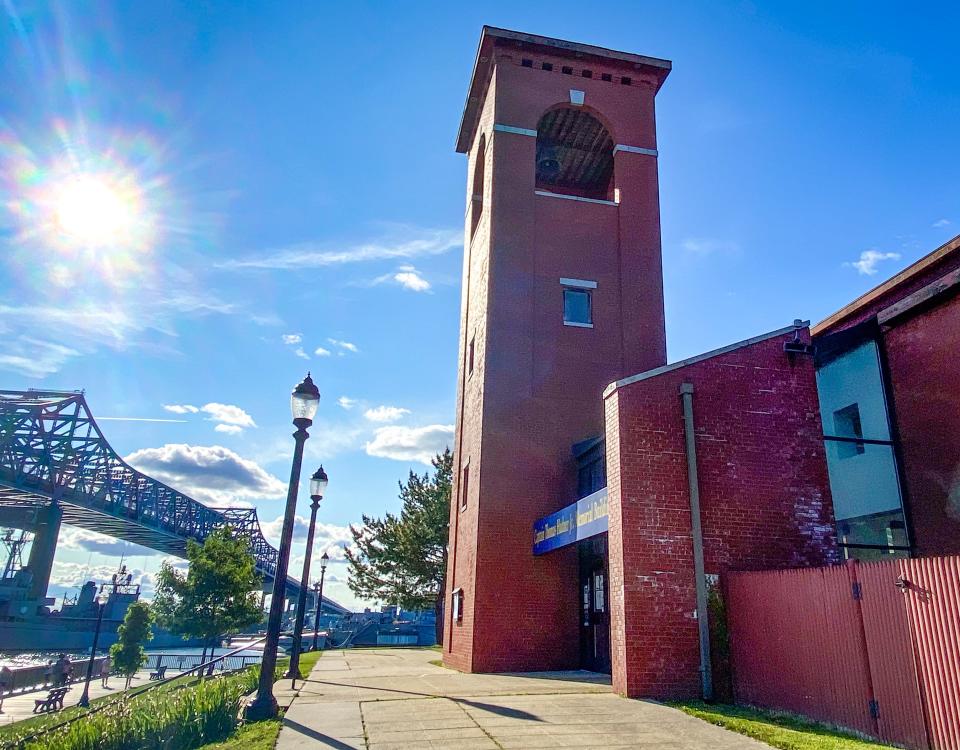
(96, 210)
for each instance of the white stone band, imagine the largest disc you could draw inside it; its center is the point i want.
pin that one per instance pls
(635, 150)
(516, 131)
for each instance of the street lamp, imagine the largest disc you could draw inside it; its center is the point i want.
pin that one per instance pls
(101, 602)
(318, 587)
(303, 405)
(318, 485)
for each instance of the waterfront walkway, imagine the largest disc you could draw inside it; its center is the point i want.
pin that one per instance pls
(395, 699)
(20, 706)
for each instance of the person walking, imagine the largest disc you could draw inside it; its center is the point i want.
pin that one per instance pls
(105, 671)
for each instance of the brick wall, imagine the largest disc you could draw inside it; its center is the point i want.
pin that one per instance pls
(764, 498)
(537, 384)
(924, 370)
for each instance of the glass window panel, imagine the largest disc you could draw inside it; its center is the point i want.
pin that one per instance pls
(576, 306)
(853, 379)
(881, 530)
(864, 484)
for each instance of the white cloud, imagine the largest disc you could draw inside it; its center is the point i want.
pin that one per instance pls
(326, 536)
(40, 339)
(385, 413)
(321, 352)
(229, 429)
(181, 408)
(212, 474)
(406, 276)
(346, 402)
(405, 242)
(75, 538)
(867, 265)
(704, 246)
(73, 575)
(34, 358)
(941, 223)
(412, 280)
(410, 443)
(301, 353)
(228, 414)
(348, 346)
(292, 338)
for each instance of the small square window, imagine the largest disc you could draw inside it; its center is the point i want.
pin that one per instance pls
(606, 77)
(577, 307)
(547, 66)
(566, 70)
(470, 355)
(626, 81)
(587, 73)
(526, 63)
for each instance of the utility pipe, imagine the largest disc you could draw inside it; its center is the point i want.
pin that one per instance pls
(703, 618)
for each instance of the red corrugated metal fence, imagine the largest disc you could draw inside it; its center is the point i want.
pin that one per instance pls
(871, 646)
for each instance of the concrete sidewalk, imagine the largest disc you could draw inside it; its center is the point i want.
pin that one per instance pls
(394, 699)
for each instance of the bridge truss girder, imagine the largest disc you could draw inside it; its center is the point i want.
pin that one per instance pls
(52, 451)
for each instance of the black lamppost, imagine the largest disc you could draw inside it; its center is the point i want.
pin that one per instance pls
(318, 485)
(318, 587)
(101, 602)
(303, 405)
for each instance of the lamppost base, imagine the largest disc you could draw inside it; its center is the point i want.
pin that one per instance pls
(259, 709)
(291, 675)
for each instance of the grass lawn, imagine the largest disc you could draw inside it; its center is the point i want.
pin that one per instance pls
(263, 734)
(780, 730)
(259, 736)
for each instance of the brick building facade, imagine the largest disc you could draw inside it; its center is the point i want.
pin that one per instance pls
(598, 492)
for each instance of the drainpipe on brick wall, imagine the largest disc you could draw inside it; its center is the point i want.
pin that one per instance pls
(703, 618)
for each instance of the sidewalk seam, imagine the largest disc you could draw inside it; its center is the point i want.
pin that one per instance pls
(477, 723)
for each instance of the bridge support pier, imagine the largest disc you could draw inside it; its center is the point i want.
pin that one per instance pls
(44, 548)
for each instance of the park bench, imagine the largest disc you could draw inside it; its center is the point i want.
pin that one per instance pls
(53, 701)
(159, 674)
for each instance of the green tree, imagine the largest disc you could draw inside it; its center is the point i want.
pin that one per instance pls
(216, 596)
(127, 653)
(403, 559)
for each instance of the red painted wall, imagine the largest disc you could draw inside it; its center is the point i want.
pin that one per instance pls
(764, 495)
(537, 384)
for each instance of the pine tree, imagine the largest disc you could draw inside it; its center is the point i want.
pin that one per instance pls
(402, 559)
(127, 653)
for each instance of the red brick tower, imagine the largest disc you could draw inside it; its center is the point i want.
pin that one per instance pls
(562, 295)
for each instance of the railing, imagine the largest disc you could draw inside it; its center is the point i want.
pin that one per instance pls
(185, 662)
(24, 679)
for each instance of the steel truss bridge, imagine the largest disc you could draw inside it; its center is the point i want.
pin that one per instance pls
(54, 456)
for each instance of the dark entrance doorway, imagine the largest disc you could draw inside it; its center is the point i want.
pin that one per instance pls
(594, 605)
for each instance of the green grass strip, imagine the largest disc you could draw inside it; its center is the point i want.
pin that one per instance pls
(782, 730)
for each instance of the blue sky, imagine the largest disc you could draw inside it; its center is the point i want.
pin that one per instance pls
(298, 205)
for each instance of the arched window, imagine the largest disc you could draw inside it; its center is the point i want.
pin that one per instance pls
(574, 154)
(476, 194)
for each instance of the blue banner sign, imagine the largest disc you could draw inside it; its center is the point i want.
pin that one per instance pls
(583, 519)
